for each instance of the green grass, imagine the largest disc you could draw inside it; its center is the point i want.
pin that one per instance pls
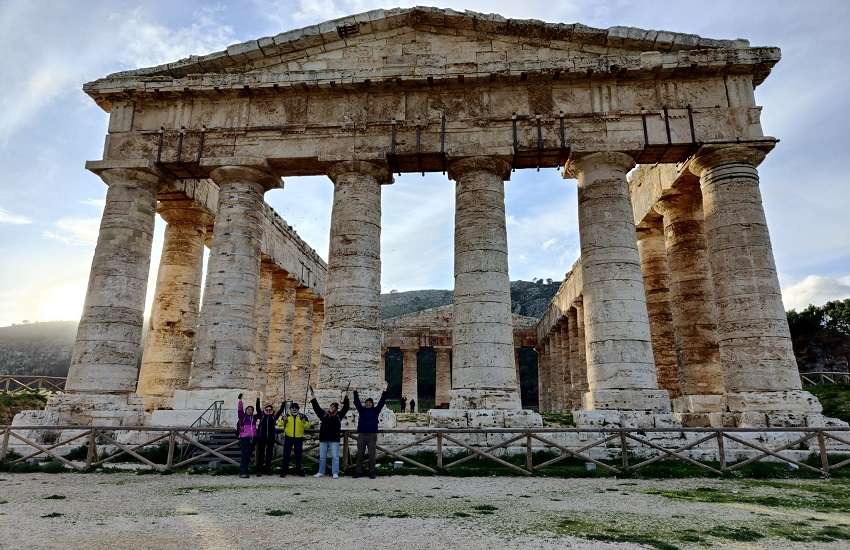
(563, 419)
(835, 399)
(13, 403)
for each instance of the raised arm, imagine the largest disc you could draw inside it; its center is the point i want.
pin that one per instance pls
(345, 407)
(258, 411)
(319, 411)
(280, 410)
(240, 409)
(357, 404)
(381, 401)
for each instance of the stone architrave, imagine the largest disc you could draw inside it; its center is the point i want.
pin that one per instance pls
(442, 393)
(302, 346)
(280, 336)
(620, 365)
(656, 280)
(104, 361)
(170, 342)
(263, 315)
(760, 370)
(484, 376)
(692, 305)
(351, 339)
(409, 376)
(225, 357)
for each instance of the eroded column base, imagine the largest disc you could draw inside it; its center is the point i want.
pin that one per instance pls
(700, 411)
(89, 409)
(484, 418)
(627, 400)
(500, 399)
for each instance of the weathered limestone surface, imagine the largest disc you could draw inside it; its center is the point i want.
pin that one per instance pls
(106, 349)
(167, 356)
(280, 337)
(225, 356)
(351, 339)
(409, 376)
(316, 341)
(692, 305)
(578, 372)
(621, 368)
(263, 316)
(482, 339)
(656, 280)
(442, 393)
(302, 345)
(758, 361)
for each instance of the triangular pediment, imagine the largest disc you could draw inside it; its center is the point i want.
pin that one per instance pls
(424, 44)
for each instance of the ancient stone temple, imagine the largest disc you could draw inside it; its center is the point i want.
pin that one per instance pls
(672, 315)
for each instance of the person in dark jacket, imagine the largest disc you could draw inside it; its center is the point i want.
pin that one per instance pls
(266, 436)
(412, 405)
(367, 429)
(330, 429)
(403, 403)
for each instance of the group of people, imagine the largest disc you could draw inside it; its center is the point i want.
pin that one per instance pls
(258, 429)
(404, 403)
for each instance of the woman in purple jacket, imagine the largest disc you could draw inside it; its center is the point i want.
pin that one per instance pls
(246, 427)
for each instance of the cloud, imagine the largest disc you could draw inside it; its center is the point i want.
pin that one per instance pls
(96, 203)
(816, 290)
(14, 219)
(75, 231)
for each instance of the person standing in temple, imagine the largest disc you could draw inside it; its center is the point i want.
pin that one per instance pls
(295, 423)
(246, 431)
(266, 436)
(367, 429)
(403, 403)
(330, 430)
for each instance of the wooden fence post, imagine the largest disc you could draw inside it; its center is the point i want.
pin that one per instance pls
(721, 451)
(824, 458)
(91, 455)
(439, 451)
(624, 451)
(4, 447)
(529, 457)
(169, 463)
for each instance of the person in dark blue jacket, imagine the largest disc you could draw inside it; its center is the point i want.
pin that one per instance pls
(266, 436)
(367, 429)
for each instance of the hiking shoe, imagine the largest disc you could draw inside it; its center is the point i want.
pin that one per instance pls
(336, 476)
(318, 475)
(244, 476)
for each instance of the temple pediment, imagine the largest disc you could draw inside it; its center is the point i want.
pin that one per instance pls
(430, 44)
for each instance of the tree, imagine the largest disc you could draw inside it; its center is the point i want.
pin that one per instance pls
(836, 316)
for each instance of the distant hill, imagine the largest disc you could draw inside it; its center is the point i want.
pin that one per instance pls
(37, 348)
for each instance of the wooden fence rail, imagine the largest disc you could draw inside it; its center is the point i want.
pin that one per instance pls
(107, 444)
(818, 377)
(13, 383)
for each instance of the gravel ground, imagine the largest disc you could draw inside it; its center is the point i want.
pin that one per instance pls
(181, 511)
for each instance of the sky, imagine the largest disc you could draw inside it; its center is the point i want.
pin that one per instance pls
(50, 206)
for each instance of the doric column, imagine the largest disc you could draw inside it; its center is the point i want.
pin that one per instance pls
(482, 333)
(280, 337)
(316, 341)
(167, 357)
(225, 357)
(409, 379)
(264, 312)
(620, 365)
(517, 352)
(543, 377)
(302, 345)
(692, 304)
(583, 385)
(578, 374)
(656, 280)
(106, 350)
(351, 339)
(444, 377)
(559, 387)
(755, 345)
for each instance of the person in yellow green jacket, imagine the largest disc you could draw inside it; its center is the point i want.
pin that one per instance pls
(293, 426)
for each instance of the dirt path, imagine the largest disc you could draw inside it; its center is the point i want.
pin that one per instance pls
(184, 511)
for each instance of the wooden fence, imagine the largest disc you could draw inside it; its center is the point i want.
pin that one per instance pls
(817, 377)
(13, 383)
(629, 450)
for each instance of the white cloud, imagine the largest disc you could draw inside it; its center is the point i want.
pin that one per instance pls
(75, 231)
(96, 203)
(14, 219)
(816, 290)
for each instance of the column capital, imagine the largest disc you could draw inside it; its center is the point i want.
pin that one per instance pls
(242, 169)
(649, 231)
(672, 204)
(710, 156)
(493, 165)
(379, 171)
(184, 212)
(584, 162)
